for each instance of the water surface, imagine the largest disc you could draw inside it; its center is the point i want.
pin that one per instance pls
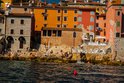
(39, 72)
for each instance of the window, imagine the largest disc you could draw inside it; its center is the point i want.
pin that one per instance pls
(65, 11)
(21, 31)
(1, 20)
(65, 18)
(80, 12)
(75, 26)
(75, 11)
(79, 19)
(118, 13)
(58, 11)
(97, 17)
(54, 33)
(91, 19)
(58, 18)
(75, 18)
(45, 25)
(64, 26)
(104, 18)
(45, 17)
(25, 9)
(92, 13)
(104, 24)
(104, 32)
(58, 25)
(49, 32)
(21, 45)
(90, 27)
(12, 31)
(117, 34)
(44, 33)
(22, 22)
(59, 33)
(97, 33)
(97, 24)
(118, 24)
(0, 31)
(12, 21)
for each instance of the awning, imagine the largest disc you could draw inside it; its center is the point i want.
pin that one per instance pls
(100, 37)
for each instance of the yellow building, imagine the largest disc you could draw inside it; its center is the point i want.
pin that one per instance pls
(3, 5)
(59, 17)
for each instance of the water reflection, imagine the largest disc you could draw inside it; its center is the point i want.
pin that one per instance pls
(39, 72)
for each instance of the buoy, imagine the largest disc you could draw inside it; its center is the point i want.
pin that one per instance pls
(75, 73)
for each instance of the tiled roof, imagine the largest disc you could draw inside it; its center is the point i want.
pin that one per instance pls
(19, 15)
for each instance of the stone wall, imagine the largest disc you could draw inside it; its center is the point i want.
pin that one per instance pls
(65, 39)
(16, 26)
(2, 27)
(20, 10)
(119, 49)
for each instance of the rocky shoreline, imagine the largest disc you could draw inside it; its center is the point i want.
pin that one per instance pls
(62, 54)
(74, 58)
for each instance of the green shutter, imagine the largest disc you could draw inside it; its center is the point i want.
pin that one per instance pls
(118, 24)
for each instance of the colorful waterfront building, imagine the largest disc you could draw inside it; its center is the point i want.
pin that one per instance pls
(58, 17)
(115, 27)
(101, 28)
(57, 25)
(86, 21)
(18, 31)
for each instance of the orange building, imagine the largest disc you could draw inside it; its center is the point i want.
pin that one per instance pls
(101, 27)
(55, 18)
(116, 1)
(57, 25)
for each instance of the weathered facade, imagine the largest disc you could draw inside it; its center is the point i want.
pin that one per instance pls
(18, 31)
(86, 21)
(101, 28)
(2, 25)
(115, 28)
(2, 33)
(56, 37)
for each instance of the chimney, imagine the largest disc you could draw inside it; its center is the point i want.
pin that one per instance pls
(53, 5)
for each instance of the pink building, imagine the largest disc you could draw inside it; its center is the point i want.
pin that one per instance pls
(115, 27)
(114, 21)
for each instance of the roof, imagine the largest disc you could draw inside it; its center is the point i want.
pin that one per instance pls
(67, 7)
(19, 15)
(51, 7)
(90, 3)
(18, 6)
